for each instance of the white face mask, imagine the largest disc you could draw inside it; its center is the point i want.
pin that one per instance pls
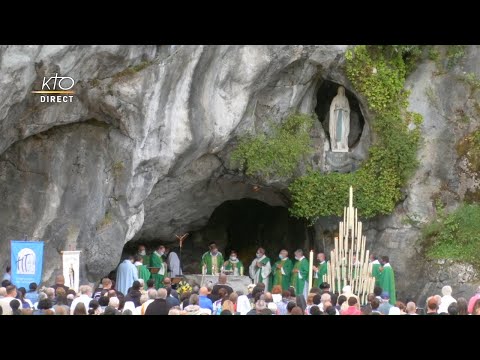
(259, 255)
(297, 257)
(233, 258)
(161, 253)
(143, 253)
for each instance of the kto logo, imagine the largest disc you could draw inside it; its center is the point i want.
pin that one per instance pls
(26, 262)
(56, 89)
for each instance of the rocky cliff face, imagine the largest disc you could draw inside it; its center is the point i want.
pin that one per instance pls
(142, 150)
(141, 140)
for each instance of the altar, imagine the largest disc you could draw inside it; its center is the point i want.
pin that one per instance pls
(238, 283)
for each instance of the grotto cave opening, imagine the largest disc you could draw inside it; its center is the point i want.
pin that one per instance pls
(243, 225)
(325, 93)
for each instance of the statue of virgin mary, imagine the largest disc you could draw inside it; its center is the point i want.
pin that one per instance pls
(339, 122)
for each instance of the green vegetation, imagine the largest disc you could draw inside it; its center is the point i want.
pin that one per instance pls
(379, 73)
(445, 57)
(454, 54)
(434, 54)
(279, 153)
(472, 80)
(455, 236)
(470, 148)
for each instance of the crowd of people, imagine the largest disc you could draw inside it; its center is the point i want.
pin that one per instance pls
(216, 299)
(280, 288)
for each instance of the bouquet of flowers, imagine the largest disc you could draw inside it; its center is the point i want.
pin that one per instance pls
(183, 287)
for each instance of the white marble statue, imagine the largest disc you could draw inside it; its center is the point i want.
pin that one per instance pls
(339, 122)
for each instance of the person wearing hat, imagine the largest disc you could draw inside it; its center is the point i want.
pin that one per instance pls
(387, 279)
(385, 306)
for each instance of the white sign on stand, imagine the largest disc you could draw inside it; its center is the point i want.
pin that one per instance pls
(71, 268)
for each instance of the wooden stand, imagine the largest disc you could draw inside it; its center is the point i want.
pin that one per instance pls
(154, 270)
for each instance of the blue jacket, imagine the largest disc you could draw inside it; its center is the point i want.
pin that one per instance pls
(205, 302)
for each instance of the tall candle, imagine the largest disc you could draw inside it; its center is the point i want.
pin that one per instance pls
(340, 240)
(310, 271)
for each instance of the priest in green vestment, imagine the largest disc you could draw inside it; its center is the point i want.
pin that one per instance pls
(387, 279)
(212, 261)
(143, 253)
(234, 264)
(282, 270)
(375, 269)
(300, 274)
(143, 272)
(156, 260)
(320, 269)
(260, 268)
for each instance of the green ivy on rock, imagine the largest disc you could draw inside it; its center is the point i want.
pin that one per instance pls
(455, 236)
(379, 73)
(277, 154)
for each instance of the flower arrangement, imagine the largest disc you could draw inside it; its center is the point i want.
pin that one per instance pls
(183, 287)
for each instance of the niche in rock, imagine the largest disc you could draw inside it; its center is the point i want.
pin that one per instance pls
(325, 94)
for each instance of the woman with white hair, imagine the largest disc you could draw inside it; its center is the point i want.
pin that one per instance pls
(243, 305)
(447, 299)
(41, 296)
(129, 305)
(394, 311)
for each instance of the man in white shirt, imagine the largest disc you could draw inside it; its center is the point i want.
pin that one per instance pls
(5, 302)
(85, 298)
(446, 300)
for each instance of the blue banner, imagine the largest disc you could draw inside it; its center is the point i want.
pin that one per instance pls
(27, 262)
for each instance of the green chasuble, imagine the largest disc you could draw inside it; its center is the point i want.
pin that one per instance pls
(322, 270)
(211, 264)
(157, 261)
(236, 266)
(387, 282)
(376, 272)
(280, 279)
(143, 273)
(299, 279)
(146, 259)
